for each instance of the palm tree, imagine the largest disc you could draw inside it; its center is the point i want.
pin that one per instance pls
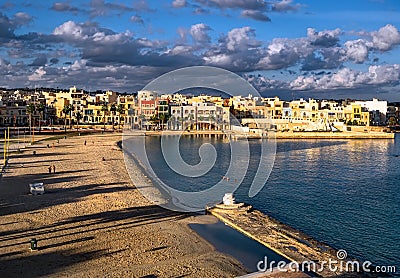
(190, 118)
(78, 117)
(212, 119)
(104, 109)
(201, 119)
(121, 111)
(162, 118)
(30, 109)
(40, 107)
(142, 117)
(113, 109)
(66, 110)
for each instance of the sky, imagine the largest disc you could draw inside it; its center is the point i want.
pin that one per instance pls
(289, 48)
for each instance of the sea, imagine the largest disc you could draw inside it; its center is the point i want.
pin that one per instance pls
(345, 193)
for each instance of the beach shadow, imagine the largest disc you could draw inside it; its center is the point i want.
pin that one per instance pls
(66, 238)
(29, 154)
(53, 195)
(38, 264)
(108, 220)
(66, 243)
(27, 163)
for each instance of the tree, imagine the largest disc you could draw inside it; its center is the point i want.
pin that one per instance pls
(121, 112)
(190, 118)
(78, 117)
(30, 109)
(113, 109)
(142, 117)
(104, 109)
(392, 121)
(212, 119)
(201, 119)
(66, 110)
(40, 107)
(163, 118)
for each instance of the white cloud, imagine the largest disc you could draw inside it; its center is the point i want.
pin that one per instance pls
(357, 50)
(241, 39)
(326, 38)
(137, 19)
(37, 75)
(70, 29)
(199, 33)
(348, 78)
(179, 3)
(385, 38)
(285, 5)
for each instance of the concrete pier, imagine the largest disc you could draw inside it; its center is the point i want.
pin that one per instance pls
(284, 240)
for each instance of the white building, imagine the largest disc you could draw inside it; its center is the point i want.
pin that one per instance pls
(198, 116)
(377, 109)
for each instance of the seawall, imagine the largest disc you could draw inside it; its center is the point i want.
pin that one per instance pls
(334, 135)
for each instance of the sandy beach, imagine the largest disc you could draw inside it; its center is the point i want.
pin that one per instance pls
(92, 221)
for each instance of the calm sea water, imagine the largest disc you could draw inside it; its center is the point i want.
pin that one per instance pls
(345, 193)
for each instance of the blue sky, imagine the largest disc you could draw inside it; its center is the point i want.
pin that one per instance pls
(310, 48)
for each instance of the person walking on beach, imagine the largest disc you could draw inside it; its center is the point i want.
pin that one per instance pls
(54, 168)
(50, 169)
(85, 143)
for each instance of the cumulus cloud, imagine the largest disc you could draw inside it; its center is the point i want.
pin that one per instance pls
(238, 50)
(357, 50)
(38, 75)
(199, 33)
(385, 38)
(348, 78)
(70, 29)
(9, 25)
(241, 39)
(325, 38)
(281, 53)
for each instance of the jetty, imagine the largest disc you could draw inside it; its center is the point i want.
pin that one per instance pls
(282, 239)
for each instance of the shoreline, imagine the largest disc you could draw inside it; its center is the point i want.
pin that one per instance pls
(274, 135)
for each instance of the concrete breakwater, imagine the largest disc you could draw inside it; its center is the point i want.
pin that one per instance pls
(284, 240)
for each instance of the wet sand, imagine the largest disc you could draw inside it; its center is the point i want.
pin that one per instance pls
(92, 221)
